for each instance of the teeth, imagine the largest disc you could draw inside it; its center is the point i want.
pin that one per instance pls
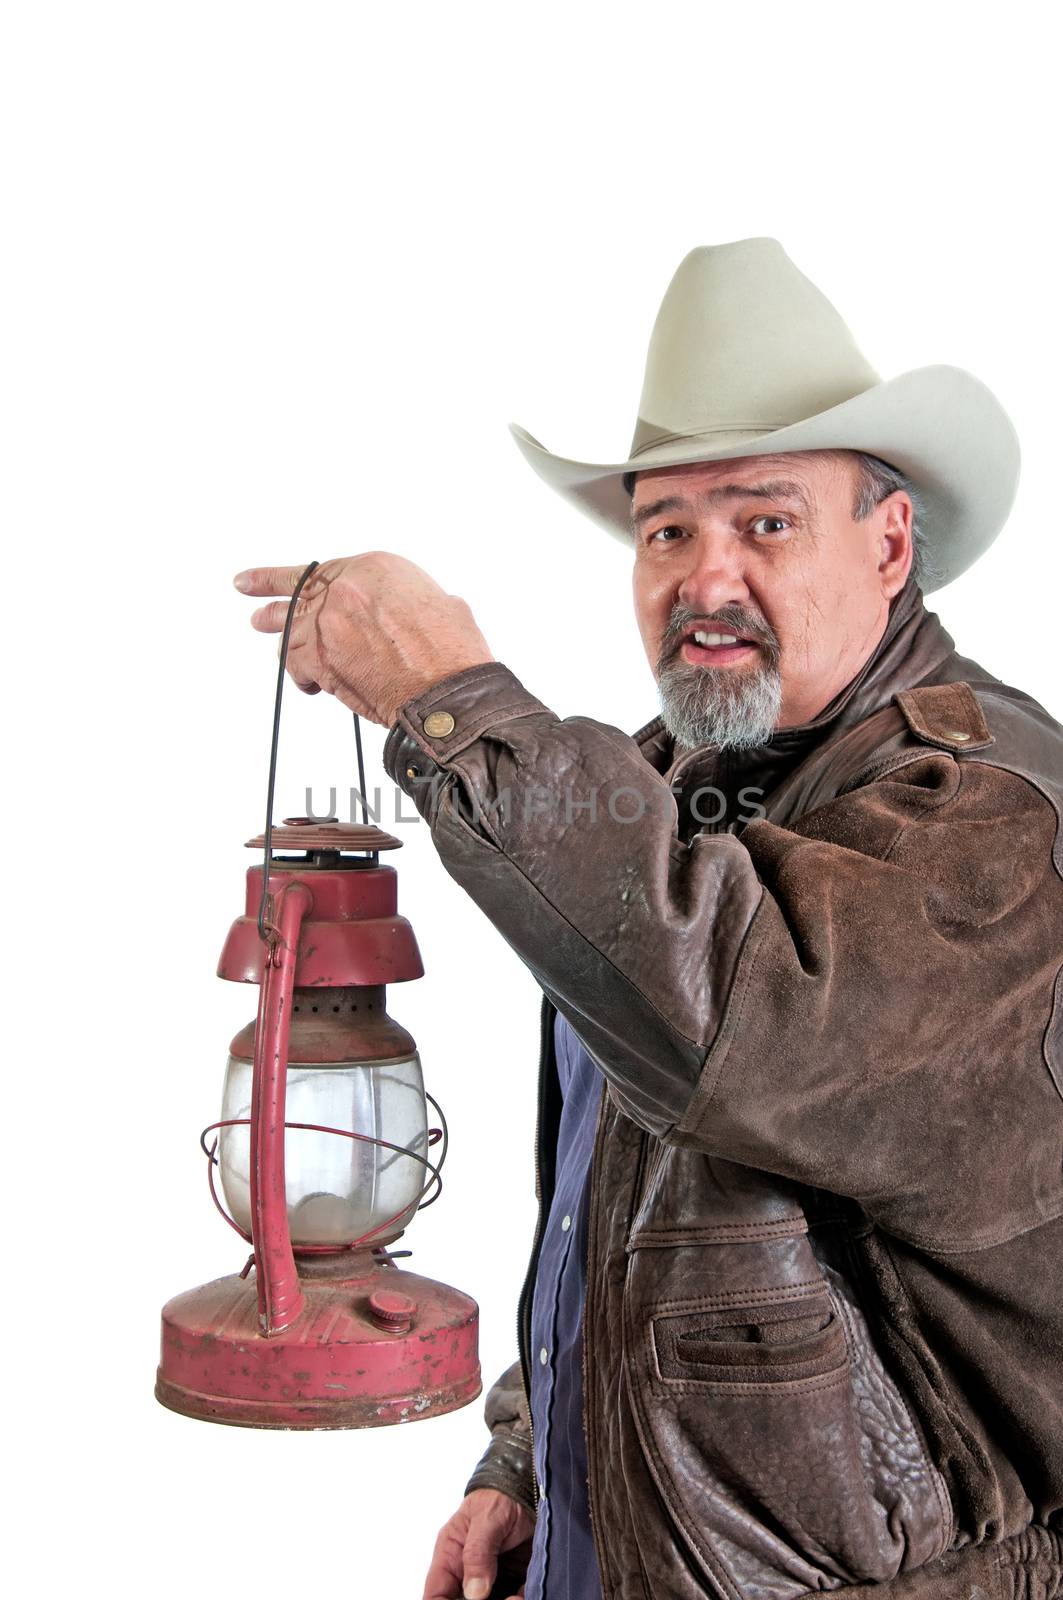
(715, 638)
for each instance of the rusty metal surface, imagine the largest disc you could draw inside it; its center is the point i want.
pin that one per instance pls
(332, 955)
(280, 1298)
(340, 893)
(334, 1367)
(352, 934)
(296, 834)
(349, 1024)
(292, 1345)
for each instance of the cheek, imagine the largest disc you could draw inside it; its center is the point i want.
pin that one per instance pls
(650, 595)
(813, 619)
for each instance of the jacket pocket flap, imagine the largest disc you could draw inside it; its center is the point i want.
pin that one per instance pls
(754, 1344)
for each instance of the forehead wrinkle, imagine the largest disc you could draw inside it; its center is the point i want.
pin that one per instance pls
(774, 489)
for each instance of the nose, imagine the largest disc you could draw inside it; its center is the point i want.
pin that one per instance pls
(714, 575)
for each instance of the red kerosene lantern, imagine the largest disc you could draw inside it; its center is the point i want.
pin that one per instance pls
(322, 1156)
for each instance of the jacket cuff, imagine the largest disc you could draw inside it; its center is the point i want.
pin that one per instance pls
(450, 716)
(506, 1465)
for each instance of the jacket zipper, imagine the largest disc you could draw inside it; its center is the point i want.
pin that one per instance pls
(604, 1568)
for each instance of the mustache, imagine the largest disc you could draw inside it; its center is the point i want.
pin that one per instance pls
(734, 619)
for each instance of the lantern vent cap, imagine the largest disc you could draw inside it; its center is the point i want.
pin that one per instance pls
(312, 833)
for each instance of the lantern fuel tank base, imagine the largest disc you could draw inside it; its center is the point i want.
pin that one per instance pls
(367, 1350)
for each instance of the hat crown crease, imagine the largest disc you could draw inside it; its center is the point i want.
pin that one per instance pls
(744, 343)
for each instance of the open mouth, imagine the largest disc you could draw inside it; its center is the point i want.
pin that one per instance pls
(706, 648)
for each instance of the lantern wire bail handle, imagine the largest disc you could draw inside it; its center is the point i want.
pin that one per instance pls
(265, 906)
(361, 769)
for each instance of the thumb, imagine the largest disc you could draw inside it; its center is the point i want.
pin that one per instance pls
(479, 1569)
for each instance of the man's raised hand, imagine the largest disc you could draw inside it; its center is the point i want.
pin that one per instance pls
(374, 630)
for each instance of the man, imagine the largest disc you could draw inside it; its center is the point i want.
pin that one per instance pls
(793, 1320)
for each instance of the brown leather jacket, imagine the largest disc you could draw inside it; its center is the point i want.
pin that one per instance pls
(824, 1326)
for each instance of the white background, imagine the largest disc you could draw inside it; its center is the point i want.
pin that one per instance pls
(277, 277)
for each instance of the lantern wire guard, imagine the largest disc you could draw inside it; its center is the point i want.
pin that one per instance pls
(435, 1180)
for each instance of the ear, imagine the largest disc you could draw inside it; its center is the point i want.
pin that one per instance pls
(892, 533)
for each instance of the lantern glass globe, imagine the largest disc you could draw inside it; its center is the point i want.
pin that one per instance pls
(338, 1189)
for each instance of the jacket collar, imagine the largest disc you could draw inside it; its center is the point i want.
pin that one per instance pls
(913, 645)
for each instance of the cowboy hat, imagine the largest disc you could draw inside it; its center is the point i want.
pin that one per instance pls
(748, 358)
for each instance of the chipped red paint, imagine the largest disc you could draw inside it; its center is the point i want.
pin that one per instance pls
(334, 1367)
(339, 1339)
(352, 935)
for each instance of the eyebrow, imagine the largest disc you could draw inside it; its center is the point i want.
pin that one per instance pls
(777, 489)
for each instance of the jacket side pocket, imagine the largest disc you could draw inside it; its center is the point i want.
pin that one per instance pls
(750, 1414)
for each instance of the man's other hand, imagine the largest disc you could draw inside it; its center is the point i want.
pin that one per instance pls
(486, 1525)
(374, 630)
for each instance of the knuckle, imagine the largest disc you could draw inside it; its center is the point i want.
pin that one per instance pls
(348, 591)
(480, 1549)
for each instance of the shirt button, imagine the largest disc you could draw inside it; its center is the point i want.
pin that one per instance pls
(438, 724)
(544, 1356)
(566, 1223)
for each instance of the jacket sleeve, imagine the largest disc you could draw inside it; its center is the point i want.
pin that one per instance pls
(858, 1001)
(507, 1463)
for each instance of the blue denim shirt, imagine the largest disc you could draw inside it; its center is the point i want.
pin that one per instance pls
(563, 1562)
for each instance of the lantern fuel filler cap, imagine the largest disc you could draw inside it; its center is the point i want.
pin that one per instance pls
(323, 1155)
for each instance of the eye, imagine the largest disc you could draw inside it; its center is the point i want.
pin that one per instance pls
(775, 526)
(660, 536)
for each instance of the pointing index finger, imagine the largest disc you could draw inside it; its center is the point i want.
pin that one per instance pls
(268, 581)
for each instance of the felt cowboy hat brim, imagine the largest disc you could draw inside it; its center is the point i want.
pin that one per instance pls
(743, 354)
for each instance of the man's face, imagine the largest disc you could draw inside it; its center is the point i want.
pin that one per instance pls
(765, 550)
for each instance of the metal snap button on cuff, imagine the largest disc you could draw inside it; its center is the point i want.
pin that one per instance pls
(438, 724)
(957, 734)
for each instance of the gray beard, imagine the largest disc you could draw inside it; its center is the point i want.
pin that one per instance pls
(712, 705)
